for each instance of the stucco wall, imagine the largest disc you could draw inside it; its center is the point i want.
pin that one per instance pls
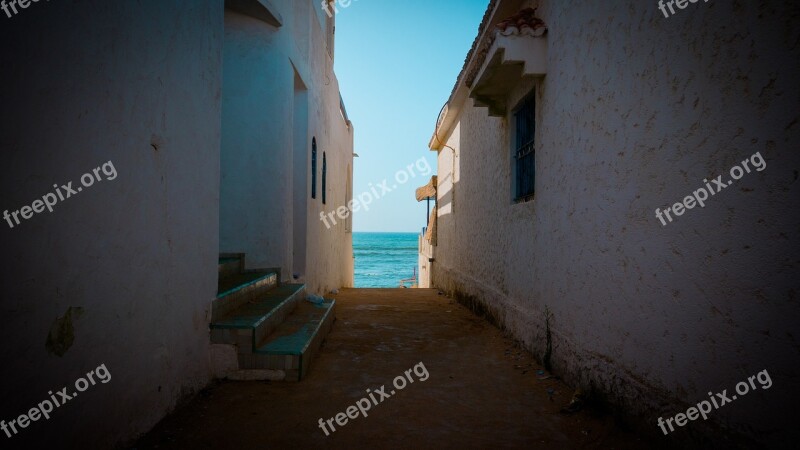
(258, 100)
(330, 250)
(137, 84)
(266, 146)
(635, 111)
(424, 262)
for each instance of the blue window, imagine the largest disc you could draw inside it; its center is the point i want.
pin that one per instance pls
(525, 150)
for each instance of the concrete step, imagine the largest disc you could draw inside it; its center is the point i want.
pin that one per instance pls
(253, 321)
(295, 342)
(236, 290)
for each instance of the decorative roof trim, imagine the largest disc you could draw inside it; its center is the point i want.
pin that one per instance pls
(477, 56)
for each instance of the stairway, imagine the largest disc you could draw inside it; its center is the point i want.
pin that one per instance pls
(270, 325)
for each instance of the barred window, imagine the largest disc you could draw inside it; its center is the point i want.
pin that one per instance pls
(525, 150)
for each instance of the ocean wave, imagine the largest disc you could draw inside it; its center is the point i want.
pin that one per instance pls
(374, 248)
(382, 260)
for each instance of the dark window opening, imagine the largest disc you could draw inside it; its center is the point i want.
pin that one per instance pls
(314, 168)
(525, 152)
(324, 176)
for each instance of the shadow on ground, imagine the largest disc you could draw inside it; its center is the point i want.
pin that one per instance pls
(482, 391)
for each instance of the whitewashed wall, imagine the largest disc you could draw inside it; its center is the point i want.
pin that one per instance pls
(635, 111)
(138, 84)
(258, 99)
(261, 207)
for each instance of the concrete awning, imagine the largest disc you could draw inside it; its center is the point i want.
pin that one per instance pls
(427, 191)
(518, 49)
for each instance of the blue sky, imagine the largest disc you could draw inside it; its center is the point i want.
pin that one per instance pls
(397, 62)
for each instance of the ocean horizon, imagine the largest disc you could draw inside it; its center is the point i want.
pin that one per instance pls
(382, 259)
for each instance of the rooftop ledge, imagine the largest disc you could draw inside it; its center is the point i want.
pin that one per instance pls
(509, 59)
(514, 48)
(260, 9)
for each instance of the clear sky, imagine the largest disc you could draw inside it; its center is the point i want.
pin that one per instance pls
(397, 61)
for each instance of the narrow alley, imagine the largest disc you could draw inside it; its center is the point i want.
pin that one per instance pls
(424, 224)
(379, 334)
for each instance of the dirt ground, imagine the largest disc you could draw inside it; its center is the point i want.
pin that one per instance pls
(481, 391)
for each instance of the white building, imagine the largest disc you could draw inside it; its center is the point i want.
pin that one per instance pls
(566, 130)
(280, 107)
(209, 112)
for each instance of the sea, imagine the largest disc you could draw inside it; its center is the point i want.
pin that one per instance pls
(383, 259)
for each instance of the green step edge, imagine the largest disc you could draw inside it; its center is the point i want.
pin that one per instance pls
(295, 337)
(249, 283)
(287, 292)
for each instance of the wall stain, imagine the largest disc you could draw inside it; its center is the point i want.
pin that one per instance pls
(62, 332)
(548, 315)
(478, 308)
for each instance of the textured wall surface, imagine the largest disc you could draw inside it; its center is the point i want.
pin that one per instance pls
(121, 273)
(267, 130)
(256, 200)
(636, 110)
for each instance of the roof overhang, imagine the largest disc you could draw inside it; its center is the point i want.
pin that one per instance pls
(509, 59)
(501, 56)
(447, 118)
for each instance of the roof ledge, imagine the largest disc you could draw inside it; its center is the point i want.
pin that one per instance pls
(509, 59)
(260, 9)
(502, 54)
